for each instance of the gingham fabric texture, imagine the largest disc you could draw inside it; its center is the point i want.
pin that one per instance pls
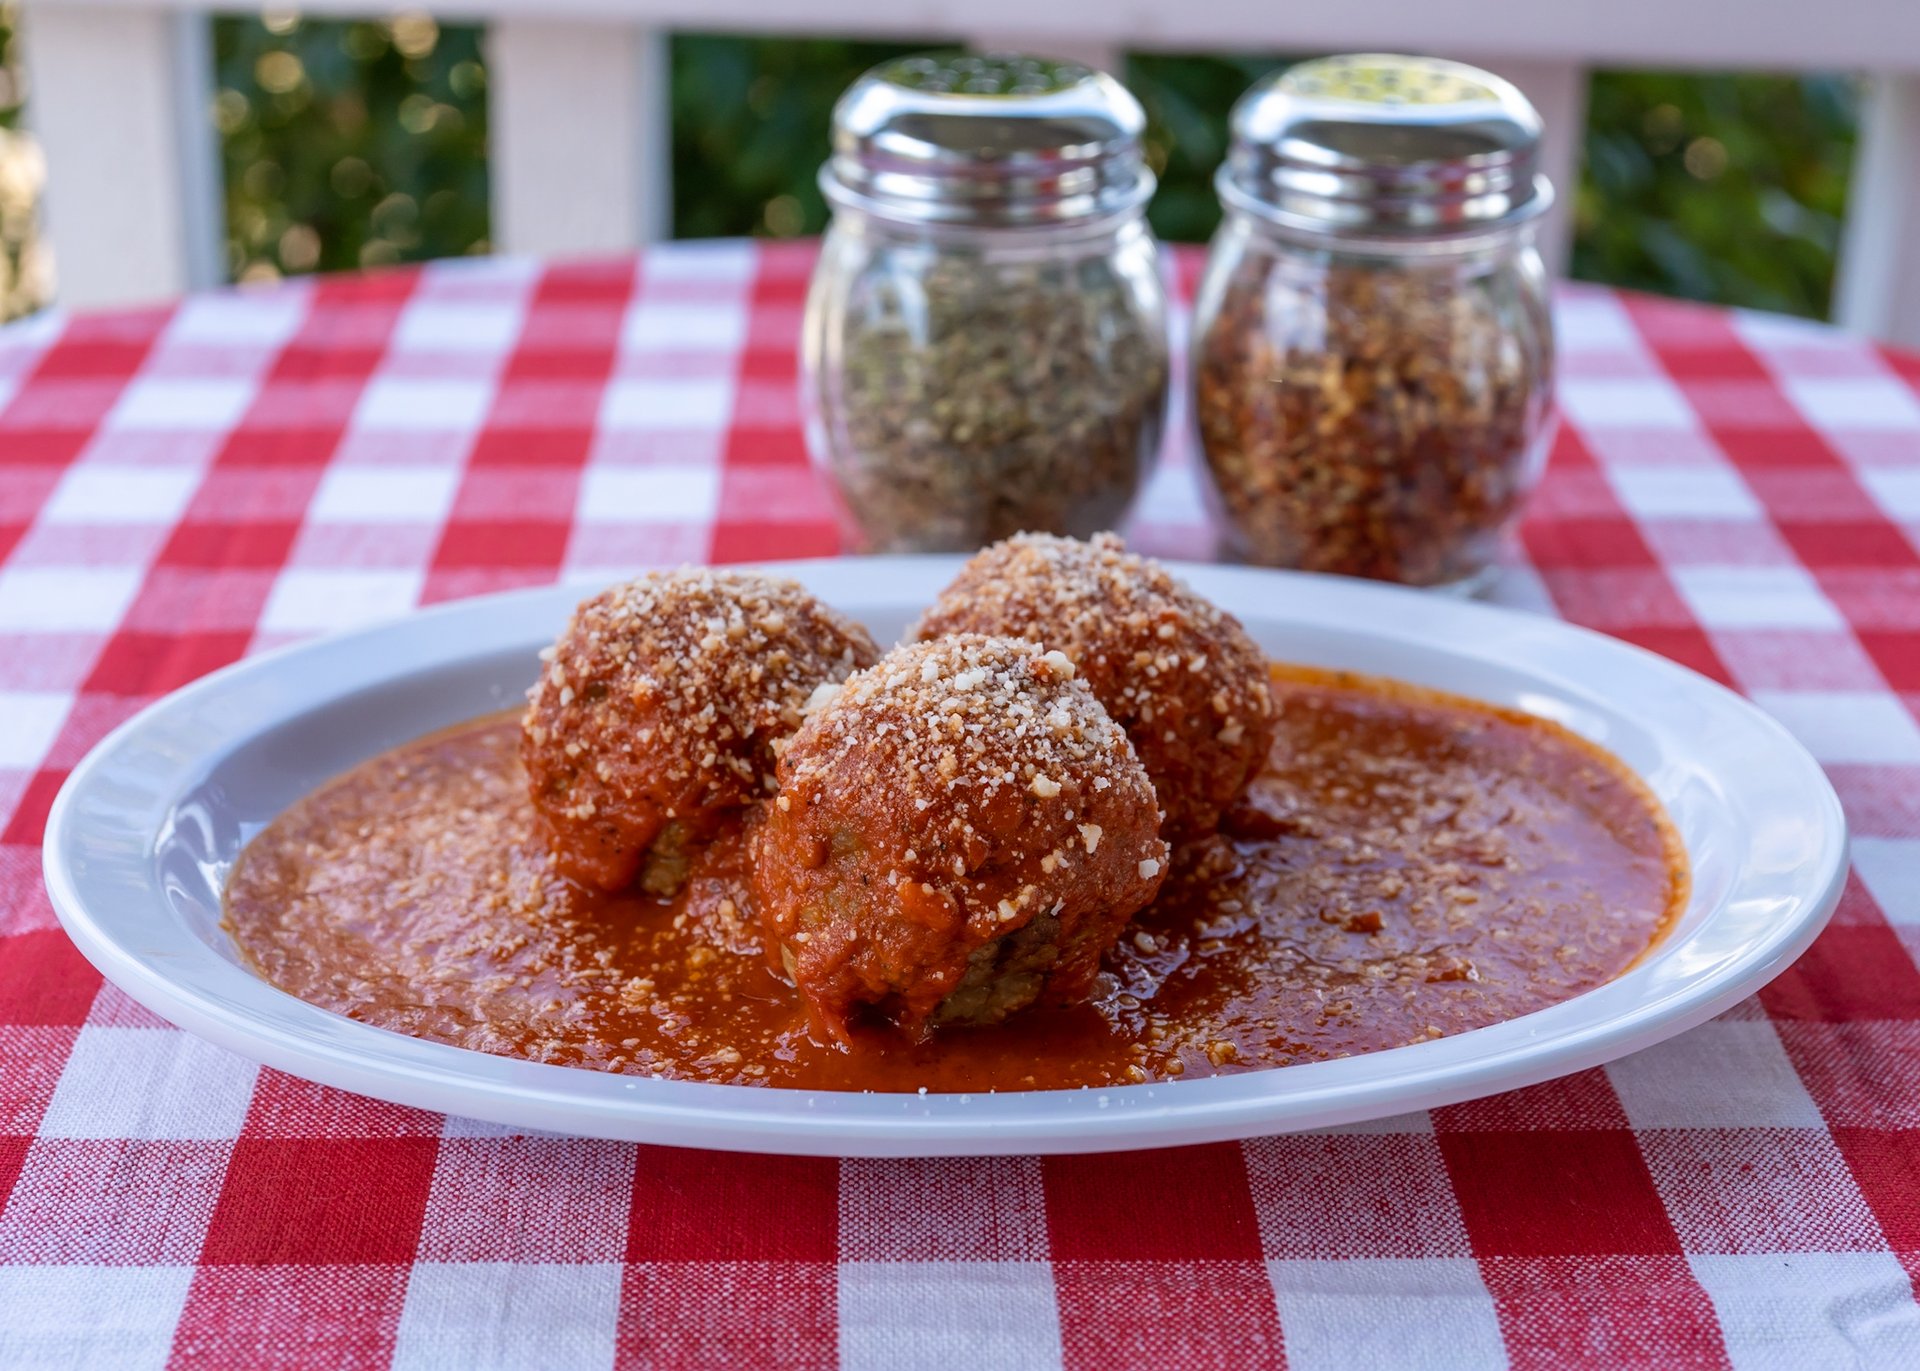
(182, 486)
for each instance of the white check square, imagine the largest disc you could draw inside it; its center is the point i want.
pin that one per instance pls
(1384, 1312)
(956, 1210)
(114, 493)
(1890, 869)
(259, 319)
(459, 1126)
(148, 1083)
(659, 326)
(1870, 727)
(157, 403)
(1691, 492)
(1896, 488)
(457, 326)
(631, 404)
(507, 1316)
(87, 1316)
(1418, 1122)
(714, 259)
(1793, 1311)
(933, 1316)
(504, 271)
(413, 404)
(1755, 597)
(1878, 403)
(65, 599)
(1173, 495)
(1600, 402)
(384, 495)
(1768, 331)
(507, 1199)
(656, 494)
(1594, 324)
(1720, 1075)
(322, 600)
(29, 722)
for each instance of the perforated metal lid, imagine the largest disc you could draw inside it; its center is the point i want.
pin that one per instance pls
(1377, 145)
(994, 140)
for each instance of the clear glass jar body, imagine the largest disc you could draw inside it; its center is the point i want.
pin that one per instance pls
(1372, 410)
(962, 385)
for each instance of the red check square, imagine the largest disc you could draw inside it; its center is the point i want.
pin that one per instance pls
(315, 1201)
(1556, 1194)
(224, 545)
(718, 1207)
(1087, 1221)
(723, 1314)
(1583, 1101)
(43, 977)
(502, 544)
(1850, 973)
(1603, 1310)
(1589, 542)
(31, 1058)
(1198, 1315)
(148, 664)
(285, 1106)
(1872, 542)
(291, 1317)
(1885, 1164)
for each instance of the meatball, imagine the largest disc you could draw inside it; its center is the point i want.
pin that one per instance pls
(959, 832)
(1177, 673)
(659, 711)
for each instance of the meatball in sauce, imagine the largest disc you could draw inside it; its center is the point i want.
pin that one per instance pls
(960, 832)
(1179, 674)
(659, 710)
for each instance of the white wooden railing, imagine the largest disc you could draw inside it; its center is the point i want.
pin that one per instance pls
(120, 90)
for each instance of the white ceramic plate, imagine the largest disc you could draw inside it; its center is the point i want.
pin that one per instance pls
(146, 829)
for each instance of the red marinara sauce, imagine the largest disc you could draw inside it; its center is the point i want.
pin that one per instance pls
(1406, 865)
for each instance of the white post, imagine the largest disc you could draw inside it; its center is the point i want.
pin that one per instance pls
(1061, 47)
(580, 159)
(1559, 91)
(1878, 289)
(119, 102)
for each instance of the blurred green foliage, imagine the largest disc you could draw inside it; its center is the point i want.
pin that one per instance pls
(10, 92)
(750, 122)
(350, 144)
(25, 282)
(1187, 98)
(1716, 186)
(1709, 186)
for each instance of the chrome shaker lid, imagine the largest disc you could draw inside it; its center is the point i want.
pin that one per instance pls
(997, 140)
(1374, 145)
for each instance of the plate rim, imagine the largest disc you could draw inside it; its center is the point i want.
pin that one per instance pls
(508, 1091)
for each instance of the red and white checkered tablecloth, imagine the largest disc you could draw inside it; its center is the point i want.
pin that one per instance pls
(181, 486)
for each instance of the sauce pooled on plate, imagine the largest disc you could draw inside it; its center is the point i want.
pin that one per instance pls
(1407, 865)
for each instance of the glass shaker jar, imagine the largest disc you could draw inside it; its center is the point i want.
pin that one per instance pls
(1373, 348)
(985, 343)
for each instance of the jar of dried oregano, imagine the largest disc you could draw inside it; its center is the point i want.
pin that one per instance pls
(985, 345)
(1373, 351)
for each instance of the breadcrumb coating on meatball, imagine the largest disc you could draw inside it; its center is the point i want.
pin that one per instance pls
(660, 710)
(1178, 673)
(960, 831)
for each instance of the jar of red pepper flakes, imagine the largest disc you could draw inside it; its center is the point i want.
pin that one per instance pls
(1373, 346)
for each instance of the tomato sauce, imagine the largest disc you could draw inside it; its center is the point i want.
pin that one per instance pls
(1408, 865)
